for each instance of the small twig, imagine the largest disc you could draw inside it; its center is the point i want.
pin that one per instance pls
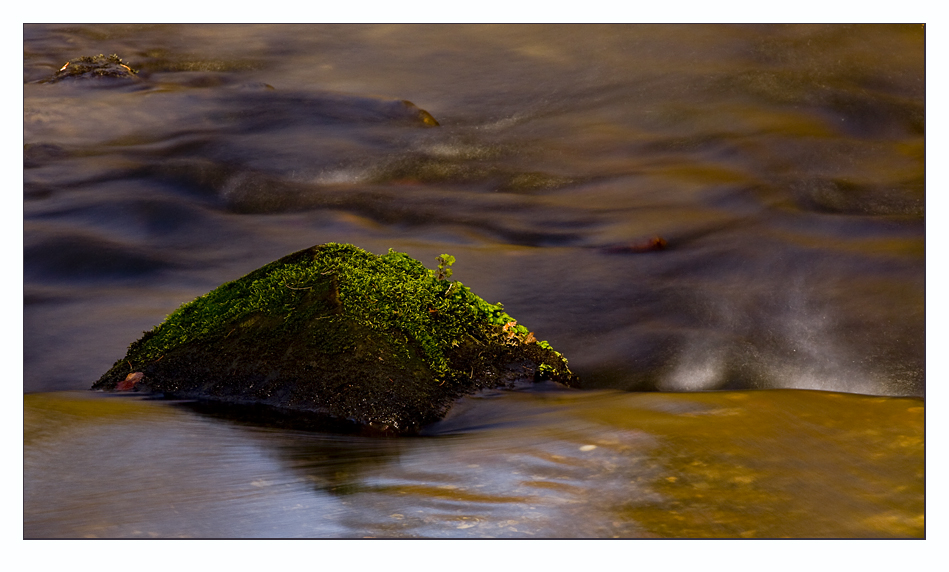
(292, 288)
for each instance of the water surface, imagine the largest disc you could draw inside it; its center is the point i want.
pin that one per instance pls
(548, 464)
(783, 165)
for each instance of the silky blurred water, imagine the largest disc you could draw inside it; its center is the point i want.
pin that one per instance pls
(782, 165)
(550, 464)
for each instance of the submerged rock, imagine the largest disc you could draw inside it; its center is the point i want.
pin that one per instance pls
(251, 106)
(334, 331)
(94, 67)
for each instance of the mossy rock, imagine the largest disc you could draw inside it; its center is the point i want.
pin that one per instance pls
(334, 331)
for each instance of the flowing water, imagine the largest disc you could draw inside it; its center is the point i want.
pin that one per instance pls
(781, 166)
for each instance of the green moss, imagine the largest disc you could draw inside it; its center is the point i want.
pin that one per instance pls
(332, 316)
(392, 294)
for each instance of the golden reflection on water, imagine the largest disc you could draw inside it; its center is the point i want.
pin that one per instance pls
(547, 464)
(781, 463)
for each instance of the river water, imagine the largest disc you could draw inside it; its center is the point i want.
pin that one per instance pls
(781, 166)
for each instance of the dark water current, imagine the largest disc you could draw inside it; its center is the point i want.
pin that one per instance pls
(783, 166)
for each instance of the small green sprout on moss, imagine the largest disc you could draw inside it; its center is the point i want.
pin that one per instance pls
(444, 266)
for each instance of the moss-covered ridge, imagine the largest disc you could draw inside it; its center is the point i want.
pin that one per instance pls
(380, 341)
